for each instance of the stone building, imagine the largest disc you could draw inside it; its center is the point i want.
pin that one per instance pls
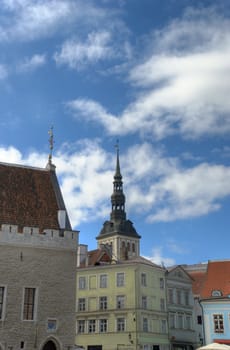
(37, 261)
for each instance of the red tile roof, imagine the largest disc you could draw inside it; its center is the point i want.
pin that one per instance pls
(29, 197)
(217, 278)
(198, 281)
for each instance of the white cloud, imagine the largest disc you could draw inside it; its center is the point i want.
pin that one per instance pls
(158, 258)
(182, 86)
(32, 63)
(76, 53)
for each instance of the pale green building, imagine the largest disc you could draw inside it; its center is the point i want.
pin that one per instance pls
(121, 296)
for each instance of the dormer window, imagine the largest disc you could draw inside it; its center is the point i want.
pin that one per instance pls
(216, 293)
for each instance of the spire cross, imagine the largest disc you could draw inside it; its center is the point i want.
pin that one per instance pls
(51, 142)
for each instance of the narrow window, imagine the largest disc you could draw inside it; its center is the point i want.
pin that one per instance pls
(82, 282)
(162, 283)
(144, 302)
(163, 326)
(120, 279)
(103, 281)
(162, 304)
(2, 294)
(145, 325)
(170, 296)
(29, 304)
(143, 280)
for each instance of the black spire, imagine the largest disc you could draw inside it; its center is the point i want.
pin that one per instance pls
(118, 197)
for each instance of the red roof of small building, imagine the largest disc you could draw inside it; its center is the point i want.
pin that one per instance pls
(29, 197)
(217, 278)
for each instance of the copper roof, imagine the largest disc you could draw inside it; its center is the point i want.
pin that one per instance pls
(29, 197)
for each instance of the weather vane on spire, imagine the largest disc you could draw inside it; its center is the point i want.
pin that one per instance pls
(51, 142)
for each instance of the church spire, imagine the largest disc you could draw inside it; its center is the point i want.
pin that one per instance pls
(118, 197)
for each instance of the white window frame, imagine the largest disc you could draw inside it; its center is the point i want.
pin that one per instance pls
(103, 302)
(120, 279)
(81, 304)
(82, 282)
(121, 324)
(120, 302)
(81, 326)
(103, 325)
(92, 326)
(103, 281)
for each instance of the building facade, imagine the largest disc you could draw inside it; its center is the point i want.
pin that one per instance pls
(215, 302)
(121, 297)
(180, 308)
(37, 261)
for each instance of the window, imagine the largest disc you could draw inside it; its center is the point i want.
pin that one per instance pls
(103, 281)
(81, 326)
(120, 279)
(178, 296)
(103, 303)
(170, 296)
(186, 297)
(81, 304)
(162, 283)
(199, 319)
(82, 282)
(163, 326)
(172, 320)
(121, 324)
(92, 326)
(29, 304)
(218, 323)
(133, 247)
(180, 321)
(103, 325)
(2, 295)
(145, 324)
(162, 304)
(188, 322)
(120, 302)
(143, 280)
(144, 302)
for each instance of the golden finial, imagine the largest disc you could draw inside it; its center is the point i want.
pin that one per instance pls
(51, 142)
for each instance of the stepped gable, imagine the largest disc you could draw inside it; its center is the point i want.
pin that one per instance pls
(217, 278)
(29, 197)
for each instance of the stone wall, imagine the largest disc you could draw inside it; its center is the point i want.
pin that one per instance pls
(47, 263)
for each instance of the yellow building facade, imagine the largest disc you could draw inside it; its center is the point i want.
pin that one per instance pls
(122, 306)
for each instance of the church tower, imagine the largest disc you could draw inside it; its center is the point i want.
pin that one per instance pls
(118, 235)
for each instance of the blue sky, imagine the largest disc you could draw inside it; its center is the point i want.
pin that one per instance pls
(154, 74)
